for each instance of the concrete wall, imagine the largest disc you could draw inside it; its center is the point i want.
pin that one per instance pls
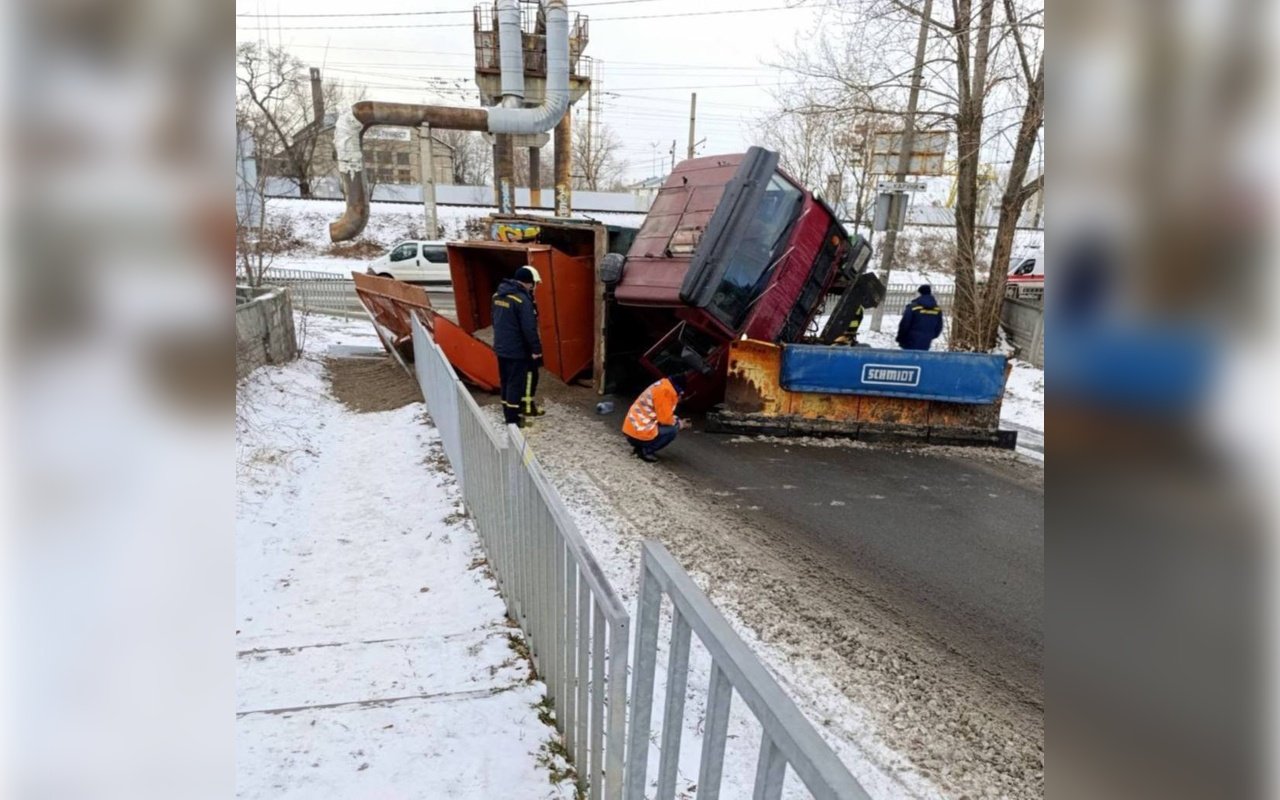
(264, 328)
(1024, 323)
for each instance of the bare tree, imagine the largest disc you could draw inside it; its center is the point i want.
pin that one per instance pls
(978, 69)
(1018, 190)
(597, 162)
(471, 156)
(274, 98)
(816, 141)
(546, 167)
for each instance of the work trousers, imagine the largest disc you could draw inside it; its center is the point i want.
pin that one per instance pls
(666, 435)
(519, 380)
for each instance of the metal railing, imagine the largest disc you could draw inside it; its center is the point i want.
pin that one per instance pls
(577, 629)
(314, 291)
(575, 625)
(788, 739)
(898, 295)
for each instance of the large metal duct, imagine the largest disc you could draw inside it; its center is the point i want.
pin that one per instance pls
(352, 124)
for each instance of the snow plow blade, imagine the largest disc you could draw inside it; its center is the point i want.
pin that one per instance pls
(861, 393)
(392, 304)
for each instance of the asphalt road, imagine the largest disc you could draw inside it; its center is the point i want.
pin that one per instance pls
(952, 540)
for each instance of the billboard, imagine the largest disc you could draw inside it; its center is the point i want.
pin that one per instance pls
(928, 153)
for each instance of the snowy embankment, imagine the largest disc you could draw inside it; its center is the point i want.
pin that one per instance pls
(374, 659)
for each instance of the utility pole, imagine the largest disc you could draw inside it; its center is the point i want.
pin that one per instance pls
(904, 158)
(673, 155)
(591, 102)
(693, 115)
(427, 176)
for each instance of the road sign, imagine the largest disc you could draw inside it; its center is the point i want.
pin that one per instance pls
(900, 186)
(928, 153)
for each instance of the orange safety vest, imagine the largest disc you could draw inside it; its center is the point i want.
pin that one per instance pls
(655, 406)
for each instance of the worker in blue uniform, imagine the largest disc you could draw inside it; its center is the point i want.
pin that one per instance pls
(921, 321)
(517, 345)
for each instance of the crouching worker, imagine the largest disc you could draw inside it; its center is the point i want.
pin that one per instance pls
(651, 423)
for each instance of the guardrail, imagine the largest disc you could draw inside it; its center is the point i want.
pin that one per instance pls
(576, 627)
(788, 740)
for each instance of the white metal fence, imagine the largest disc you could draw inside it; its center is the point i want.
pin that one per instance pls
(788, 740)
(314, 291)
(576, 627)
(897, 295)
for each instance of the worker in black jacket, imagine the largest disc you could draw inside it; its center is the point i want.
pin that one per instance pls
(921, 321)
(516, 343)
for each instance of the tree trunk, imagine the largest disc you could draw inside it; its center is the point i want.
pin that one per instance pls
(1016, 194)
(972, 85)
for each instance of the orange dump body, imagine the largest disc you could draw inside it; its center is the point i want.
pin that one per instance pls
(566, 297)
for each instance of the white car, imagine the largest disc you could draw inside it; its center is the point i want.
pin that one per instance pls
(415, 261)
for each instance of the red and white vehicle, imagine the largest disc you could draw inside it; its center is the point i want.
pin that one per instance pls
(1026, 276)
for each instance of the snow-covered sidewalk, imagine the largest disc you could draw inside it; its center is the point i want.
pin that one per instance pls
(374, 659)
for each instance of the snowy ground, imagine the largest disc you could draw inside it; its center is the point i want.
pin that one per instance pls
(389, 223)
(374, 659)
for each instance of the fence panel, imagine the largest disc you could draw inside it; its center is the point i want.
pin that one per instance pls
(897, 295)
(315, 291)
(575, 625)
(788, 740)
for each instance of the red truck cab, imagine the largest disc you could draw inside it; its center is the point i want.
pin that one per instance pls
(732, 247)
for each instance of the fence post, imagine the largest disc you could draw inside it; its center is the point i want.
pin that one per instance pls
(648, 607)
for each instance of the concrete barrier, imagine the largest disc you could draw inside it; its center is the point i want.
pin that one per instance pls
(1023, 322)
(264, 328)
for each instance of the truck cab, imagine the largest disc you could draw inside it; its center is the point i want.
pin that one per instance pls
(732, 247)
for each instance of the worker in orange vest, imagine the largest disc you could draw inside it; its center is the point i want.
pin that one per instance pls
(651, 422)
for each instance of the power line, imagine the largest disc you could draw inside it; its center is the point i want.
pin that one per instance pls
(611, 63)
(432, 13)
(594, 20)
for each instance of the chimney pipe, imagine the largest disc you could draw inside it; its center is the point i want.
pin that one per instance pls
(317, 97)
(352, 124)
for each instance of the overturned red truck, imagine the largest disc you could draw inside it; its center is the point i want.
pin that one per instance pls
(722, 283)
(732, 248)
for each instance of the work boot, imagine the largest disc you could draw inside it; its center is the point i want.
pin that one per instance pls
(535, 411)
(647, 456)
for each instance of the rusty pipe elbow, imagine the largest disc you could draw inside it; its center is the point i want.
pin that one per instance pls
(356, 215)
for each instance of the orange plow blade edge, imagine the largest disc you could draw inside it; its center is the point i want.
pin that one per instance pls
(392, 304)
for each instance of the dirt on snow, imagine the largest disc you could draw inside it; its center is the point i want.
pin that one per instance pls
(370, 384)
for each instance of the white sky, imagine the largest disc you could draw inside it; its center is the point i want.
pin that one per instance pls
(650, 61)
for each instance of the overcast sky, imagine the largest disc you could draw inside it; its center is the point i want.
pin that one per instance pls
(650, 59)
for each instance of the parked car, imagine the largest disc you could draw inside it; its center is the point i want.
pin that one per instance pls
(1026, 276)
(415, 261)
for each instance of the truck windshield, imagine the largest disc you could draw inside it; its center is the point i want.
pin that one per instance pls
(748, 266)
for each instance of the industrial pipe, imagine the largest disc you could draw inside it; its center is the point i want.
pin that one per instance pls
(352, 124)
(510, 53)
